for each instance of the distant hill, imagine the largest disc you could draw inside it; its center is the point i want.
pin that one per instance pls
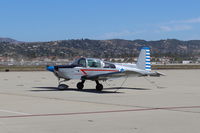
(116, 48)
(7, 40)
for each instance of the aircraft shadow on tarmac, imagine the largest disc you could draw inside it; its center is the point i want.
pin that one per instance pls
(106, 90)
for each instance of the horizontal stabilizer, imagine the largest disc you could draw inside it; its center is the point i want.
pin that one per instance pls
(156, 74)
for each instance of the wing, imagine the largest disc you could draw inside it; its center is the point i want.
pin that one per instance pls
(112, 75)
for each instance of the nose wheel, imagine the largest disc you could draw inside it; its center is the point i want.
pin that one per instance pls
(62, 86)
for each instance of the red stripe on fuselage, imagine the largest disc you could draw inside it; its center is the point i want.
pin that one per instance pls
(83, 72)
(97, 70)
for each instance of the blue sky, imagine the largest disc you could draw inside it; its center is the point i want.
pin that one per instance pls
(46, 20)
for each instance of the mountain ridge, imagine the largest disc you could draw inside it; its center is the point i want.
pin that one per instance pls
(114, 48)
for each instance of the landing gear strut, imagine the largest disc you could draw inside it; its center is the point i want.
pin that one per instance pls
(80, 85)
(99, 87)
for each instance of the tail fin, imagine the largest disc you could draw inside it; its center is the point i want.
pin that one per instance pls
(144, 61)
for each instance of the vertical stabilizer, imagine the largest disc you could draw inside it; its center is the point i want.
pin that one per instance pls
(144, 60)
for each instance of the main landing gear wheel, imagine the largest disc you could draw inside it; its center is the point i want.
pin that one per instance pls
(99, 87)
(80, 85)
(62, 86)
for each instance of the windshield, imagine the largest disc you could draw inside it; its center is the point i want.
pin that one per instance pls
(81, 62)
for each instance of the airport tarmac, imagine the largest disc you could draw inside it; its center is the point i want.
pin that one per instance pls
(30, 102)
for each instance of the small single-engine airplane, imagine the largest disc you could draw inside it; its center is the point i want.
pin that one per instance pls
(96, 69)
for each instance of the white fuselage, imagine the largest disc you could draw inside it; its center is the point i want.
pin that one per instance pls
(78, 72)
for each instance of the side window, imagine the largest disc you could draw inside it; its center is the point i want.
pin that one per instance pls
(94, 63)
(109, 65)
(82, 62)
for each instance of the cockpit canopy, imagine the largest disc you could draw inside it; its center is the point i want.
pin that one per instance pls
(92, 63)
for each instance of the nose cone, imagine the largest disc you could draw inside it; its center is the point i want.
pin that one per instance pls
(50, 68)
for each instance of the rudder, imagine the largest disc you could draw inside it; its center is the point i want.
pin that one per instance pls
(144, 59)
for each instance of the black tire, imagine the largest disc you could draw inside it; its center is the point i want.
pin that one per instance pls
(80, 85)
(62, 86)
(99, 87)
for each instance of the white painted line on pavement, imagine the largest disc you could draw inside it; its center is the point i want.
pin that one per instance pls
(14, 112)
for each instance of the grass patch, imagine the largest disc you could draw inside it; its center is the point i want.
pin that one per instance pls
(180, 66)
(22, 68)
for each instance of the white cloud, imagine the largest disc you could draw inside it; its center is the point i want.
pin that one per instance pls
(187, 21)
(195, 20)
(165, 28)
(170, 26)
(175, 28)
(178, 25)
(121, 34)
